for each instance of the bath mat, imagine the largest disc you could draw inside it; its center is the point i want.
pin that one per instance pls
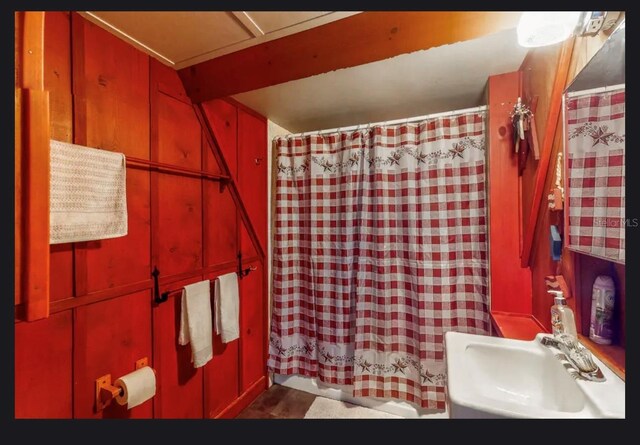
(323, 408)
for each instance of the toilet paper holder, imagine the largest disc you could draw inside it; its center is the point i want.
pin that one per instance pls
(106, 392)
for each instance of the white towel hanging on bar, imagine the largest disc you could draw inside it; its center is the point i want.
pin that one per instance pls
(88, 196)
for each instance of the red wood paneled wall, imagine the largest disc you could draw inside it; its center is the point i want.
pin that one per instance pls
(106, 94)
(510, 284)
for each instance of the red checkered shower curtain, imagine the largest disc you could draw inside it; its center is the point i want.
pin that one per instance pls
(380, 248)
(595, 125)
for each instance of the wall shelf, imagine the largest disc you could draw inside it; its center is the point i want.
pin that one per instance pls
(515, 325)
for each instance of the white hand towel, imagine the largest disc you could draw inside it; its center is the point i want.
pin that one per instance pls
(195, 322)
(226, 307)
(88, 194)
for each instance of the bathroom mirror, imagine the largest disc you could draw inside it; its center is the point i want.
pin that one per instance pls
(594, 160)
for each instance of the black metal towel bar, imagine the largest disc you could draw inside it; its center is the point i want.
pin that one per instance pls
(164, 296)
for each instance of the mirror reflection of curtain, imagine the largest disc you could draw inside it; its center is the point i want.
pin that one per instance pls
(379, 249)
(595, 140)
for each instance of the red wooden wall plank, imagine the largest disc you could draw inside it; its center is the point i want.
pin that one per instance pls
(57, 73)
(179, 205)
(221, 237)
(210, 135)
(108, 338)
(510, 284)
(111, 85)
(221, 375)
(223, 118)
(166, 80)
(252, 329)
(221, 230)
(43, 368)
(179, 393)
(57, 80)
(252, 177)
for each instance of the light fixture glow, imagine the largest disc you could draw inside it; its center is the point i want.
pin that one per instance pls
(546, 28)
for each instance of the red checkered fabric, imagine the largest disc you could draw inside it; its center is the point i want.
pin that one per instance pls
(595, 141)
(380, 248)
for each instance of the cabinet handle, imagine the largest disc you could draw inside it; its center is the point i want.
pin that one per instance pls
(249, 331)
(258, 161)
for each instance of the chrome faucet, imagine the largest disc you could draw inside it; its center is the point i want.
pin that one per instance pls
(577, 355)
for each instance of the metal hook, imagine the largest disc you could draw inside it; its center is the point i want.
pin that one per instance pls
(156, 288)
(244, 272)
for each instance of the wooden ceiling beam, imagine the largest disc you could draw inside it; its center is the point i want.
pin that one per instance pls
(352, 41)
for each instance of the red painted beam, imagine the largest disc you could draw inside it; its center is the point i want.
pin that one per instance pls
(32, 168)
(352, 41)
(510, 284)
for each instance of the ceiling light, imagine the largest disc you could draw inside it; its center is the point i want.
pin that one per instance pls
(546, 28)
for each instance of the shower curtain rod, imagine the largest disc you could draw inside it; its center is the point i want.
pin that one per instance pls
(393, 122)
(595, 90)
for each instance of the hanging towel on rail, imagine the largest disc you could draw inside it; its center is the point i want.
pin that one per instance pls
(226, 307)
(195, 322)
(88, 195)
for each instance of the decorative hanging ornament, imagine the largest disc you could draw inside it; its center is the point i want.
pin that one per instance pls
(521, 120)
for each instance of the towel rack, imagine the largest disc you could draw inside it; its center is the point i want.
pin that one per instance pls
(154, 165)
(159, 298)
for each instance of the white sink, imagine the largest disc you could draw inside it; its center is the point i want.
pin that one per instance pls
(490, 377)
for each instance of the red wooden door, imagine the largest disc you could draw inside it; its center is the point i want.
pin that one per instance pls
(252, 328)
(108, 338)
(179, 390)
(252, 177)
(43, 368)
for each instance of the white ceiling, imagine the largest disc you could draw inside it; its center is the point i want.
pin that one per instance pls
(445, 78)
(184, 38)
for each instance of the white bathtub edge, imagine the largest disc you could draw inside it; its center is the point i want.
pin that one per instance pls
(311, 385)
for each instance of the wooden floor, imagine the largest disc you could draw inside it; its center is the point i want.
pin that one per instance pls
(279, 402)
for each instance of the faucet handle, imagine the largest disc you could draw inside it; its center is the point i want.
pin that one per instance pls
(577, 353)
(568, 340)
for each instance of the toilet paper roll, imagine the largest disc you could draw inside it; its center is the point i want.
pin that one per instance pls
(137, 387)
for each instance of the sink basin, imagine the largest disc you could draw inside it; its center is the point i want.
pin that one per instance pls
(490, 377)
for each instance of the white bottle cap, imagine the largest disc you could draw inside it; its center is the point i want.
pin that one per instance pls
(558, 297)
